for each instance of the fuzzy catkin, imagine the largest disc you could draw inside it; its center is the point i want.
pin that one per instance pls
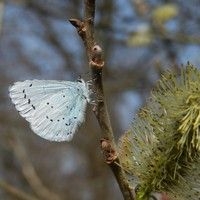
(160, 151)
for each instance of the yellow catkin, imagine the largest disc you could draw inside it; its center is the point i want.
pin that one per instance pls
(160, 149)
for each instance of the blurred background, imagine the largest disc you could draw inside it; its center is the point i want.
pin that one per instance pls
(140, 40)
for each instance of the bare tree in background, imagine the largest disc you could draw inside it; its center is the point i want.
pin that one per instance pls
(38, 42)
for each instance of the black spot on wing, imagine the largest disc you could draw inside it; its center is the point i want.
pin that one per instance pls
(33, 107)
(29, 101)
(30, 85)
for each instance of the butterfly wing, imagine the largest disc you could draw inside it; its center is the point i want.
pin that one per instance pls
(54, 109)
(59, 120)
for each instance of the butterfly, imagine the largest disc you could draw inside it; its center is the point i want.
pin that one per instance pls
(54, 109)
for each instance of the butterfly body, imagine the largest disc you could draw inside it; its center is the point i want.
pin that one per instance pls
(54, 109)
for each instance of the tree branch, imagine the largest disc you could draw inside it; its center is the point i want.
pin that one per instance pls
(85, 30)
(29, 172)
(16, 192)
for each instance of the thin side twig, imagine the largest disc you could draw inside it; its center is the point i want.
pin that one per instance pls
(17, 193)
(85, 30)
(29, 172)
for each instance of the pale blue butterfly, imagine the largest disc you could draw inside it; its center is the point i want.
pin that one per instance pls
(54, 109)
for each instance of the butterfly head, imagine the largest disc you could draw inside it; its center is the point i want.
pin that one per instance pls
(86, 89)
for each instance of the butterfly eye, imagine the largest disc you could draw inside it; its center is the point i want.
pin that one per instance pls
(79, 80)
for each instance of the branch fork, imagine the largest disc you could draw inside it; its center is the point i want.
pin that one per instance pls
(80, 27)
